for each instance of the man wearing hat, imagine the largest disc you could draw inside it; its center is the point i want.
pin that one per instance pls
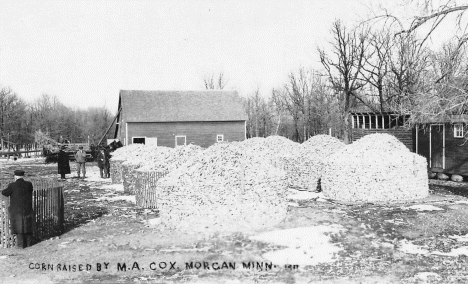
(21, 210)
(80, 158)
(63, 163)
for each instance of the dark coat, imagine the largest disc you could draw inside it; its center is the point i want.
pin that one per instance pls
(63, 163)
(102, 158)
(21, 210)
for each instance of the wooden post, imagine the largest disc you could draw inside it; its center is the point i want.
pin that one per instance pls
(8, 141)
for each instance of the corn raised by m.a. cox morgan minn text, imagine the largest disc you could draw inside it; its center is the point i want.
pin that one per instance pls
(159, 265)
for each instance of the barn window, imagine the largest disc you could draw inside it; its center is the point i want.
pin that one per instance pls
(458, 130)
(180, 140)
(219, 138)
(151, 141)
(138, 140)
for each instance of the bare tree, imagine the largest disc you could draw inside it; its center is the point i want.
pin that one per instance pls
(376, 65)
(408, 73)
(211, 82)
(447, 91)
(343, 67)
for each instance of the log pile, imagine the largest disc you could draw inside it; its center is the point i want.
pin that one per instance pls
(222, 190)
(377, 167)
(305, 166)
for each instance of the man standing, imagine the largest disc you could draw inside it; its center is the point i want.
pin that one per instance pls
(21, 211)
(107, 152)
(63, 163)
(102, 160)
(80, 158)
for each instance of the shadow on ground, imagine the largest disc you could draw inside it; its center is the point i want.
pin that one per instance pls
(449, 188)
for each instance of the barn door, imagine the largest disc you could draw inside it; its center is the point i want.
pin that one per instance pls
(437, 146)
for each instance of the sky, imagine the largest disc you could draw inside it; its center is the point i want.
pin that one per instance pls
(84, 52)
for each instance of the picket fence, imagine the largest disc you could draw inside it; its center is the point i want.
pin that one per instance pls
(48, 206)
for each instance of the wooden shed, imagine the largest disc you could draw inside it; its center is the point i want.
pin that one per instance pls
(171, 118)
(444, 145)
(364, 123)
(441, 141)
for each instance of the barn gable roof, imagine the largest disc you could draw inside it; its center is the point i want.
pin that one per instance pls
(178, 106)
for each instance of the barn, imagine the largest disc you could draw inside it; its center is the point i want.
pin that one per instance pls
(172, 118)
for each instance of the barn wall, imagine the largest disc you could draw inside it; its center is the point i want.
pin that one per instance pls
(456, 153)
(198, 133)
(406, 136)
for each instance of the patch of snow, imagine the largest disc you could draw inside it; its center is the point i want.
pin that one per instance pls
(395, 221)
(304, 195)
(463, 238)
(305, 245)
(116, 187)
(426, 276)
(152, 222)
(462, 202)
(455, 252)
(424, 207)
(128, 198)
(410, 248)
(22, 160)
(92, 174)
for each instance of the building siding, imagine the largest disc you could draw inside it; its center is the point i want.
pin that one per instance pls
(456, 151)
(198, 133)
(406, 136)
(423, 143)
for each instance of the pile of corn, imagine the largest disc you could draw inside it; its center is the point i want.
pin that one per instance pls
(136, 157)
(222, 190)
(175, 158)
(121, 155)
(305, 166)
(130, 152)
(377, 167)
(269, 149)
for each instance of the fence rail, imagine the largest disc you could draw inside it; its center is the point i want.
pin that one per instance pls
(48, 206)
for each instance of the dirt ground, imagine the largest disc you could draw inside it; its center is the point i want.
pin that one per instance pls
(110, 240)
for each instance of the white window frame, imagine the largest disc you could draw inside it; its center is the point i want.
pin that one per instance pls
(222, 138)
(457, 128)
(133, 137)
(178, 136)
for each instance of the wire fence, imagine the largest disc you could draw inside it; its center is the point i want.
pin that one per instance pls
(48, 207)
(145, 188)
(142, 184)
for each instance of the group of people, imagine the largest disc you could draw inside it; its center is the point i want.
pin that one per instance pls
(102, 158)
